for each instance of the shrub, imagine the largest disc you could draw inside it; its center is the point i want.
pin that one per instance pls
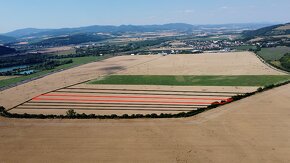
(2, 109)
(70, 113)
(113, 116)
(260, 89)
(125, 116)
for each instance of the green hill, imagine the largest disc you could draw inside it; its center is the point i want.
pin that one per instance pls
(6, 39)
(71, 39)
(275, 31)
(5, 50)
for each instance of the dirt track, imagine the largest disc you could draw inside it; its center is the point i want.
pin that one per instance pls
(255, 129)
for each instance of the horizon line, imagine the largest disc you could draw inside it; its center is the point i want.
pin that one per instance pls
(118, 25)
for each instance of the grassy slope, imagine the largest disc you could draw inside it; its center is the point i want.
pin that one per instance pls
(272, 54)
(76, 62)
(193, 80)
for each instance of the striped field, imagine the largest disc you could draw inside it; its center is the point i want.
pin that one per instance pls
(120, 100)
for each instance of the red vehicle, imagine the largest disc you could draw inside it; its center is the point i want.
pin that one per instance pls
(223, 102)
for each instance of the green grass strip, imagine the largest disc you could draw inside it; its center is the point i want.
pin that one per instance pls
(241, 80)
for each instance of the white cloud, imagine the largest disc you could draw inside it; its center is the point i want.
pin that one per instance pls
(187, 11)
(224, 7)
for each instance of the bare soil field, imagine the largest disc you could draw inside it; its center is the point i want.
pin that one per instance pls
(56, 49)
(256, 39)
(113, 99)
(255, 129)
(281, 36)
(237, 63)
(285, 27)
(125, 40)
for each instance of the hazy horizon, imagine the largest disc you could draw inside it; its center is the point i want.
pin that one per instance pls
(75, 13)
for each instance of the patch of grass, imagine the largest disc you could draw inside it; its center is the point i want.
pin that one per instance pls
(276, 64)
(76, 62)
(273, 54)
(243, 80)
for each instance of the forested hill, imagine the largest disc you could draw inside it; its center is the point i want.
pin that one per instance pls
(71, 39)
(271, 31)
(5, 50)
(6, 39)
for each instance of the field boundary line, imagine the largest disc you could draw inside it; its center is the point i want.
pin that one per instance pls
(106, 109)
(42, 102)
(147, 93)
(109, 106)
(117, 101)
(133, 97)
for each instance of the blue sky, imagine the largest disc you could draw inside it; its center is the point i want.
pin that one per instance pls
(15, 14)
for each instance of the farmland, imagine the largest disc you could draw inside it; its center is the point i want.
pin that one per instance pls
(63, 50)
(128, 99)
(252, 130)
(137, 82)
(68, 77)
(223, 134)
(237, 63)
(112, 87)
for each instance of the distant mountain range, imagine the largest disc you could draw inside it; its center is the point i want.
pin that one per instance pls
(33, 32)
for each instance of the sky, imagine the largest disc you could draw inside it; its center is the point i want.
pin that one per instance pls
(17, 14)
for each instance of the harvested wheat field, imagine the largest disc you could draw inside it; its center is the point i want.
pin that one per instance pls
(237, 63)
(128, 99)
(255, 129)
